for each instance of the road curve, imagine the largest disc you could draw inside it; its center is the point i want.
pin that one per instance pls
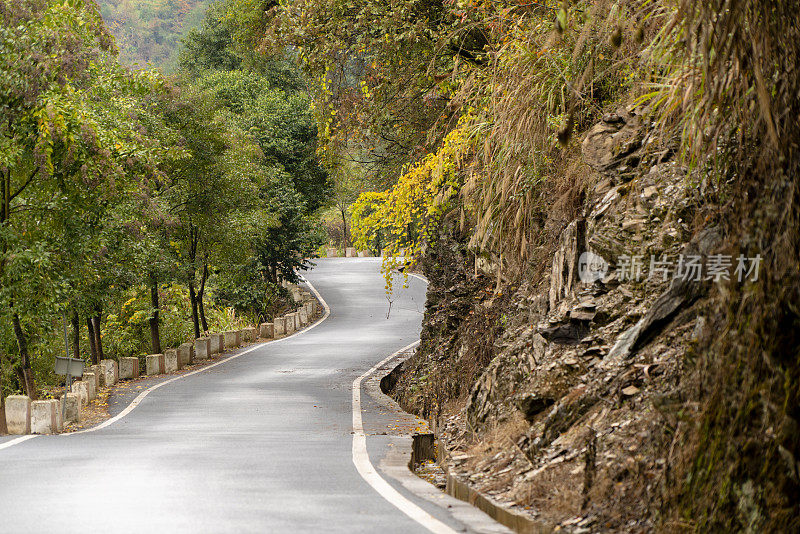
(260, 443)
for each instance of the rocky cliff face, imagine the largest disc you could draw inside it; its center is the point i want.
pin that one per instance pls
(564, 396)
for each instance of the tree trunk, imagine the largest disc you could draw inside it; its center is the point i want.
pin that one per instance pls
(24, 371)
(92, 340)
(98, 342)
(193, 301)
(155, 338)
(273, 273)
(344, 227)
(76, 335)
(200, 292)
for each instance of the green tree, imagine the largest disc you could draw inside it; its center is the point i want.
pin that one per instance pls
(70, 140)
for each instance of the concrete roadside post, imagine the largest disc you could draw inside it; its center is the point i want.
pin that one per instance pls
(297, 294)
(171, 361)
(185, 355)
(350, 252)
(266, 330)
(18, 414)
(216, 343)
(91, 385)
(330, 252)
(79, 389)
(154, 364)
(110, 371)
(43, 417)
(99, 375)
(170, 354)
(201, 346)
(230, 339)
(279, 324)
(362, 253)
(303, 315)
(71, 408)
(129, 368)
(290, 327)
(91, 373)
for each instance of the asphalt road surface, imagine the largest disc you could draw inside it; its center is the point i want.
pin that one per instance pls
(259, 443)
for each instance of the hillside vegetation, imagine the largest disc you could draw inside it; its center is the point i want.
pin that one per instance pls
(150, 31)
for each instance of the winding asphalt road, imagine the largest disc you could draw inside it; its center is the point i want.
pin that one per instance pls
(260, 443)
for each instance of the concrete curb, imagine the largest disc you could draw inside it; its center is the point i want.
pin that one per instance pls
(456, 487)
(397, 464)
(516, 522)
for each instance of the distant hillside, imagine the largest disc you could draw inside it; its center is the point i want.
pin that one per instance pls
(149, 31)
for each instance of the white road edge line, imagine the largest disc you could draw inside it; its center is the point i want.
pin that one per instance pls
(370, 474)
(139, 398)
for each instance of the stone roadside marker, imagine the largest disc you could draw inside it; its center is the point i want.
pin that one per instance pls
(91, 372)
(99, 374)
(230, 339)
(73, 406)
(43, 417)
(185, 355)
(170, 354)
(280, 326)
(128, 368)
(250, 334)
(18, 414)
(171, 361)
(110, 371)
(350, 252)
(290, 325)
(91, 385)
(216, 343)
(267, 330)
(155, 364)
(201, 346)
(79, 389)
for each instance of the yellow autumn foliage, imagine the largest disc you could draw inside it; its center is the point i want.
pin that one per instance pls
(403, 219)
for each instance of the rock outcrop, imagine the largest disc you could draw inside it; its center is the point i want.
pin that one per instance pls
(567, 419)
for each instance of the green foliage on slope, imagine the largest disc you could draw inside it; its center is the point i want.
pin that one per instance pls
(150, 31)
